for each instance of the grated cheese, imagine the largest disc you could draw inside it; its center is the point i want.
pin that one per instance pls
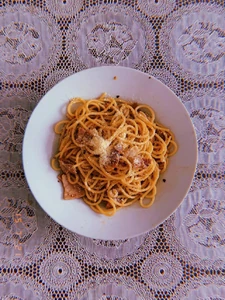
(101, 147)
(137, 160)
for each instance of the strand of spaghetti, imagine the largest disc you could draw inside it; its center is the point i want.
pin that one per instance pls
(91, 203)
(150, 183)
(107, 212)
(90, 188)
(144, 205)
(174, 146)
(71, 103)
(98, 168)
(146, 109)
(125, 204)
(71, 152)
(93, 196)
(114, 151)
(55, 165)
(59, 126)
(64, 149)
(71, 180)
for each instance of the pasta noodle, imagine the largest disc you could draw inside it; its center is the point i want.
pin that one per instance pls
(111, 153)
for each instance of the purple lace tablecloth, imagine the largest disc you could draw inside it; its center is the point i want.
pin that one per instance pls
(182, 43)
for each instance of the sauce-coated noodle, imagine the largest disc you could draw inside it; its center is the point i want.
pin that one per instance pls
(111, 153)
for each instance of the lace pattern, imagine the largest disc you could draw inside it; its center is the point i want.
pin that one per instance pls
(22, 223)
(64, 8)
(13, 123)
(207, 113)
(182, 44)
(167, 78)
(201, 221)
(156, 8)
(111, 249)
(113, 35)
(28, 48)
(111, 292)
(211, 292)
(152, 266)
(56, 77)
(206, 175)
(12, 174)
(189, 33)
(17, 293)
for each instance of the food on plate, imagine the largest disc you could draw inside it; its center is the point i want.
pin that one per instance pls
(111, 153)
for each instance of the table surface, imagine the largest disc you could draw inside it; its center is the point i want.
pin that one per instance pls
(182, 43)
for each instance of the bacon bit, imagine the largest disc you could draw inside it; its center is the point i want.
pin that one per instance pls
(161, 165)
(137, 160)
(119, 147)
(146, 161)
(83, 136)
(112, 160)
(67, 167)
(161, 134)
(131, 152)
(59, 178)
(140, 162)
(104, 133)
(115, 78)
(122, 163)
(134, 104)
(71, 191)
(108, 205)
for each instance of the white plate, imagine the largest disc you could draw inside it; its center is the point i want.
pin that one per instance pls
(39, 145)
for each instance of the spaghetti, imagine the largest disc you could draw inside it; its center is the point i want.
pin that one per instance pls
(111, 153)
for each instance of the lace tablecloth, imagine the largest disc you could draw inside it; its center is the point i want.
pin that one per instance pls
(182, 43)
